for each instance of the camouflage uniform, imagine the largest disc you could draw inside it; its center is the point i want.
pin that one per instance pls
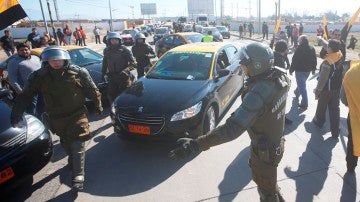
(64, 92)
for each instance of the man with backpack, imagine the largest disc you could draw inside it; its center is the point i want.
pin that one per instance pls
(327, 91)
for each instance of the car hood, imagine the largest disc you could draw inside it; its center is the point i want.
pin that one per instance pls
(162, 96)
(95, 71)
(6, 131)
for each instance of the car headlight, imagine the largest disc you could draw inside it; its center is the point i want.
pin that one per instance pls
(113, 108)
(187, 113)
(34, 128)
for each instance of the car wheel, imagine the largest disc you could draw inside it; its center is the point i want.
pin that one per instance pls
(210, 120)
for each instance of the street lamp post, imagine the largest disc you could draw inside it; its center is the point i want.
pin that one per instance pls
(111, 19)
(43, 15)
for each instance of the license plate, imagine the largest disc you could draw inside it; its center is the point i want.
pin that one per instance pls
(6, 175)
(143, 130)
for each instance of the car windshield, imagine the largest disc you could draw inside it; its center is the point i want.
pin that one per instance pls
(223, 29)
(194, 38)
(182, 66)
(161, 30)
(84, 56)
(126, 31)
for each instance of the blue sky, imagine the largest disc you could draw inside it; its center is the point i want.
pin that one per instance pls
(98, 9)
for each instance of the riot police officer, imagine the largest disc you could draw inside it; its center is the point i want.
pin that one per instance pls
(64, 87)
(142, 53)
(261, 114)
(118, 63)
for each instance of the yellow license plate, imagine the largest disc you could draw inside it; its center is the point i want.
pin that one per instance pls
(142, 130)
(6, 175)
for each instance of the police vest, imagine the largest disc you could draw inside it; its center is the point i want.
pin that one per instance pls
(208, 38)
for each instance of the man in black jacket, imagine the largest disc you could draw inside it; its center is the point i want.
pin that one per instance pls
(303, 62)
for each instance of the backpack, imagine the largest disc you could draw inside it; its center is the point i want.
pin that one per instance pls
(336, 76)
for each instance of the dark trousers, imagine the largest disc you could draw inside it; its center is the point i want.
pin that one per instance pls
(97, 38)
(83, 41)
(331, 100)
(351, 160)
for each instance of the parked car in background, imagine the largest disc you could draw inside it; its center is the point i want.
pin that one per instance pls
(160, 32)
(188, 28)
(224, 31)
(144, 30)
(198, 28)
(184, 94)
(215, 33)
(173, 40)
(23, 151)
(126, 37)
(81, 56)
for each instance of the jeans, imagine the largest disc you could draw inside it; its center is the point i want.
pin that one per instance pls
(68, 40)
(301, 78)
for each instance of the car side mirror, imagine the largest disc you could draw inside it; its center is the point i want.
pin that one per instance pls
(222, 73)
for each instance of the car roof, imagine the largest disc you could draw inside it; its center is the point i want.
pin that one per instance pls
(212, 47)
(38, 51)
(187, 33)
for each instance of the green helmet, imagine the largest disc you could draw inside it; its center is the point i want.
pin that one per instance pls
(258, 57)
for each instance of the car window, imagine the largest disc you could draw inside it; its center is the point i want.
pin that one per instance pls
(222, 61)
(161, 30)
(178, 41)
(84, 56)
(231, 52)
(182, 66)
(194, 38)
(168, 40)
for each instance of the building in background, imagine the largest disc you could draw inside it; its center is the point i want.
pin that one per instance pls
(200, 8)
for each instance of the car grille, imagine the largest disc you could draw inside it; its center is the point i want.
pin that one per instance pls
(12, 145)
(156, 123)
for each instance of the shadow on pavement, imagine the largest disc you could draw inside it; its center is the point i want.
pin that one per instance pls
(115, 167)
(348, 192)
(236, 177)
(321, 149)
(295, 115)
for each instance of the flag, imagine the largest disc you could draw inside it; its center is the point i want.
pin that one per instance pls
(326, 33)
(10, 12)
(277, 25)
(346, 29)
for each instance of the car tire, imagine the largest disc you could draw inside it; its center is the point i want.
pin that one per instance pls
(210, 120)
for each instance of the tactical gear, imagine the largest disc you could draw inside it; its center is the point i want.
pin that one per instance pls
(263, 106)
(258, 57)
(54, 53)
(142, 52)
(187, 147)
(113, 35)
(140, 36)
(78, 183)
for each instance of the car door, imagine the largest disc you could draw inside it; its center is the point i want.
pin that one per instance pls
(223, 84)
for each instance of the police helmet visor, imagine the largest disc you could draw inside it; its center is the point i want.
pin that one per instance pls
(244, 57)
(55, 54)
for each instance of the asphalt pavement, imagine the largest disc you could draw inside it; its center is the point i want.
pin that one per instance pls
(313, 167)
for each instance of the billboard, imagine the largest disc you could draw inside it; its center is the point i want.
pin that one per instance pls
(203, 7)
(148, 8)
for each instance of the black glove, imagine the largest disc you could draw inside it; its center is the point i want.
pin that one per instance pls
(186, 147)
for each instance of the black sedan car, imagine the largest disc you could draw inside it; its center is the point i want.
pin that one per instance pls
(224, 31)
(183, 95)
(24, 150)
